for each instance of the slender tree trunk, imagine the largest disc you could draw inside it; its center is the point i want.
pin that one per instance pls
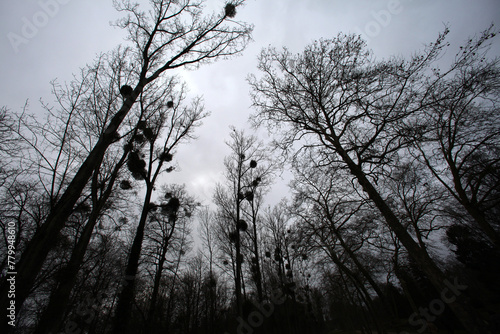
(171, 298)
(126, 297)
(258, 278)
(239, 302)
(158, 275)
(156, 287)
(406, 291)
(363, 270)
(354, 304)
(358, 284)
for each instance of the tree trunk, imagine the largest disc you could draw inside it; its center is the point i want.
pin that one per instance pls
(126, 297)
(239, 302)
(156, 288)
(258, 274)
(360, 287)
(158, 274)
(363, 270)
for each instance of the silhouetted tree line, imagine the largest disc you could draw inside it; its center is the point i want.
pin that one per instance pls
(391, 223)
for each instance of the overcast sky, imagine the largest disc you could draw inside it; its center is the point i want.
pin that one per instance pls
(77, 30)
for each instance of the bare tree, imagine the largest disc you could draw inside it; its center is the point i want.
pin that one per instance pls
(173, 34)
(92, 101)
(9, 146)
(168, 222)
(325, 206)
(335, 97)
(207, 233)
(169, 123)
(276, 222)
(240, 198)
(460, 141)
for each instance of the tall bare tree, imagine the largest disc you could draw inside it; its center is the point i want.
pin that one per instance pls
(336, 97)
(169, 221)
(93, 103)
(169, 123)
(173, 34)
(459, 139)
(239, 199)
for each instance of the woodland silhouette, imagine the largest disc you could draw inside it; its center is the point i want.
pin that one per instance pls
(391, 224)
